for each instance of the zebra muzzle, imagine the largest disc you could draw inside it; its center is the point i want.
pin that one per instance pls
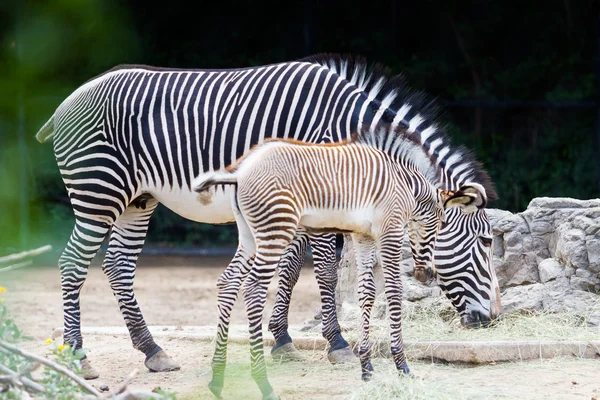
(423, 274)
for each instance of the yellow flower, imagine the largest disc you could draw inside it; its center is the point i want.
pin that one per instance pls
(1, 299)
(62, 347)
(48, 341)
(2, 289)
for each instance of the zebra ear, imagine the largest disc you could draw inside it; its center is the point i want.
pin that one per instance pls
(470, 197)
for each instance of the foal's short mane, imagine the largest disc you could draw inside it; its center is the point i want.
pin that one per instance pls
(399, 145)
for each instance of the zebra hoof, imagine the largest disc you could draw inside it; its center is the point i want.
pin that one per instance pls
(342, 356)
(88, 371)
(404, 370)
(161, 362)
(271, 396)
(215, 390)
(366, 376)
(286, 353)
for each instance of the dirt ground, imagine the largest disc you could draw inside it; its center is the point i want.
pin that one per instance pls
(185, 295)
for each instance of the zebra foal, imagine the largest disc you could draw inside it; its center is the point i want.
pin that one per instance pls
(371, 186)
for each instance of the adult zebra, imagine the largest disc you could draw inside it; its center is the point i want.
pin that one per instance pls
(136, 136)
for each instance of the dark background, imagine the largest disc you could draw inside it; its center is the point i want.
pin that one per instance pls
(518, 81)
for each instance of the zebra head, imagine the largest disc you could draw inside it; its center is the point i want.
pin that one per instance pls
(463, 260)
(429, 217)
(423, 227)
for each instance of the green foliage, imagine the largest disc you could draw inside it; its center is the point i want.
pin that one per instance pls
(10, 332)
(59, 386)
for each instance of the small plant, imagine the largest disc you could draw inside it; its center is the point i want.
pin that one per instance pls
(59, 386)
(61, 377)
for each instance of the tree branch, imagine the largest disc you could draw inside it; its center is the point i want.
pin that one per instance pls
(25, 254)
(127, 381)
(25, 381)
(80, 381)
(16, 266)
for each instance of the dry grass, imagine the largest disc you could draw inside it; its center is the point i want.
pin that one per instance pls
(316, 379)
(387, 384)
(498, 381)
(437, 321)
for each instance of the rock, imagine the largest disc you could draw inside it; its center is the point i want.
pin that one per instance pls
(546, 258)
(569, 271)
(592, 246)
(582, 284)
(570, 247)
(576, 302)
(517, 269)
(529, 297)
(415, 291)
(594, 319)
(563, 202)
(504, 221)
(550, 269)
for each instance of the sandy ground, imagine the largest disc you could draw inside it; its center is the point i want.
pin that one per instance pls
(185, 295)
(182, 295)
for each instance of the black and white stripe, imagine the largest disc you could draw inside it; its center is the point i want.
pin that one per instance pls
(136, 135)
(371, 187)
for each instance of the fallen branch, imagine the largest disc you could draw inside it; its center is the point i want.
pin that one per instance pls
(127, 381)
(36, 387)
(137, 395)
(15, 266)
(80, 381)
(11, 258)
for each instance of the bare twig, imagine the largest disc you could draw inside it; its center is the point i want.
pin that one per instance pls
(15, 266)
(80, 381)
(127, 381)
(26, 382)
(25, 254)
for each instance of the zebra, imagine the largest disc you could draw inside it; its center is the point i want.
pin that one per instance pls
(371, 186)
(137, 135)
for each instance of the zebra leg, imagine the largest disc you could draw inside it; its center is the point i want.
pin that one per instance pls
(268, 253)
(365, 251)
(126, 243)
(289, 271)
(228, 287)
(85, 240)
(326, 270)
(270, 246)
(389, 250)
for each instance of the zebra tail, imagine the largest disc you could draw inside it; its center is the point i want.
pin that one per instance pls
(206, 181)
(46, 132)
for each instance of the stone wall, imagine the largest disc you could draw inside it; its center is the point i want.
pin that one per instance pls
(546, 258)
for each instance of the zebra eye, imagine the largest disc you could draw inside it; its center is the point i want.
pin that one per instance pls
(487, 241)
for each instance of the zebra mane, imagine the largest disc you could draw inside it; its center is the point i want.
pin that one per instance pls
(401, 146)
(407, 116)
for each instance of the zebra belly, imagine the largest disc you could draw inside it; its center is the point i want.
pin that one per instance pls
(212, 208)
(357, 221)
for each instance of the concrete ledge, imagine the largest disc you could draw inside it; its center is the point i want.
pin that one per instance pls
(473, 352)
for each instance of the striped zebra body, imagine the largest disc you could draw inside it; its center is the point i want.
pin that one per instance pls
(136, 136)
(365, 188)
